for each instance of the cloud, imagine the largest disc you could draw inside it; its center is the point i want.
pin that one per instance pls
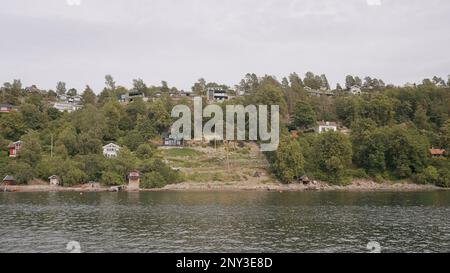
(181, 41)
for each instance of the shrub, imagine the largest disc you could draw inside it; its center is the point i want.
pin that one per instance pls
(112, 179)
(358, 173)
(73, 176)
(22, 172)
(444, 178)
(152, 180)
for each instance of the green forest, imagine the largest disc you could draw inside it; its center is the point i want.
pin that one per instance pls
(386, 131)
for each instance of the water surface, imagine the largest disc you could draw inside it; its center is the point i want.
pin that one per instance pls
(225, 221)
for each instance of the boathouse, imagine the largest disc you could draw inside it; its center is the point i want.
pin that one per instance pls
(133, 181)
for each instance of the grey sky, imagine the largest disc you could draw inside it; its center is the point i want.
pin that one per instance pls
(180, 41)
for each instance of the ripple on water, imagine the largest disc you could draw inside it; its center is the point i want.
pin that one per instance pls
(225, 222)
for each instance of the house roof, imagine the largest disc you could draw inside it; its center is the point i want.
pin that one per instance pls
(133, 174)
(111, 144)
(437, 151)
(8, 178)
(327, 123)
(13, 144)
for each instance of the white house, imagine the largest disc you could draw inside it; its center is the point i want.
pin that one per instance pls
(324, 126)
(355, 90)
(64, 106)
(111, 150)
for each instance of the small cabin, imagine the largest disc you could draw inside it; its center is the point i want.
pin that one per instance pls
(14, 148)
(54, 180)
(8, 181)
(133, 180)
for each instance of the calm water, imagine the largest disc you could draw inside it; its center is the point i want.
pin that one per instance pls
(225, 222)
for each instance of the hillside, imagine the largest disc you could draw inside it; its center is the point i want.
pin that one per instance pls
(209, 167)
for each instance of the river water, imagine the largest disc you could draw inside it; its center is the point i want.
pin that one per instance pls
(225, 221)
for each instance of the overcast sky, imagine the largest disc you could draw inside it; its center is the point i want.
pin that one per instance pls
(79, 41)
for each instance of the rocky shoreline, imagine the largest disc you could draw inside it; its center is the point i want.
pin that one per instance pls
(355, 186)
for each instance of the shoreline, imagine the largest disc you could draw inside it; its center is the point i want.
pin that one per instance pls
(355, 186)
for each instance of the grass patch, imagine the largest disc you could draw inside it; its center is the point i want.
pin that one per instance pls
(182, 152)
(212, 177)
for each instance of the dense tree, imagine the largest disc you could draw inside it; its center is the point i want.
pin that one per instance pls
(31, 150)
(72, 92)
(68, 138)
(21, 171)
(12, 125)
(392, 129)
(160, 116)
(288, 162)
(296, 82)
(139, 85)
(88, 96)
(445, 135)
(145, 151)
(248, 85)
(70, 173)
(61, 88)
(32, 116)
(349, 82)
(325, 85)
(10, 92)
(90, 120)
(380, 109)
(304, 115)
(110, 83)
(199, 87)
(407, 151)
(270, 93)
(421, 119)
(349, 109)
(369, 146)
(111, 178)
(133, 139)
(313, 81)
(113, 114)
(333, 156)
(164, 87)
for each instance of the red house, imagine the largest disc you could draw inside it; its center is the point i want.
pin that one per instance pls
(14, 148)
(437, 153)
